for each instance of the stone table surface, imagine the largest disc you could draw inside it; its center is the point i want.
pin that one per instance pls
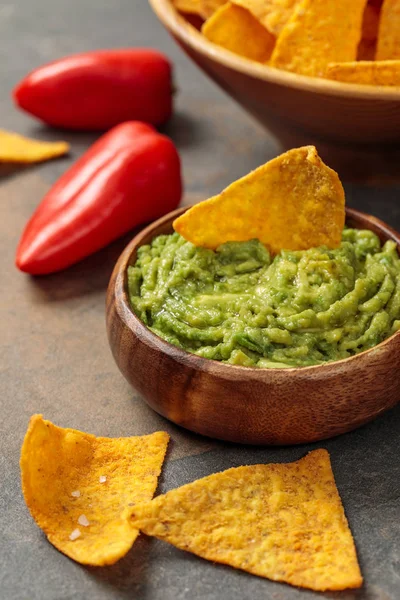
(55, 358)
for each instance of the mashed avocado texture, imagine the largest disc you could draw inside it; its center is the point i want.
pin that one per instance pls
(241, 306)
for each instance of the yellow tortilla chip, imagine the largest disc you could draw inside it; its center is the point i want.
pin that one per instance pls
(273, 14)
(235, 29)
(293, 202)
(384, 72)
(19, 149)
(281, 521)
(203, 8)
(77, 487)
(389, 31)
(319, 32)
(209, 7)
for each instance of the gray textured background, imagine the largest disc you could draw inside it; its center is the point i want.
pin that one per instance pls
(55, 358)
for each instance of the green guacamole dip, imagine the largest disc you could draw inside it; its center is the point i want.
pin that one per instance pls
(240, 306)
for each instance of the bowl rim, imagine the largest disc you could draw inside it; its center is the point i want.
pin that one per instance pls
(182, 29)
(132, 321)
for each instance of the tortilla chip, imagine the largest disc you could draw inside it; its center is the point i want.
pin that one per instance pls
(273, 14)
(389, 31)
(209, 7)
(203, 8)
(293, 202)
(281, 521)
(235, 29)
(319, 32)
(18, 149)
(384, 72)
(77, 487)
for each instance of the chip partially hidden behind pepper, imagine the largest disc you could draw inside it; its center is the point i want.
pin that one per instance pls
(15, 148)
(281, 521)
(77, 487)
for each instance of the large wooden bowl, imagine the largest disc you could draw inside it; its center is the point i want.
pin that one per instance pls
(240, 404)
(355, 127)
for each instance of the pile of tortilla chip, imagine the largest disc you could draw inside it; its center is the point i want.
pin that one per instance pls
(354, 42)
(92, 495)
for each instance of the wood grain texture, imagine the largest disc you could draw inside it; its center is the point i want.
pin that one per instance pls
(239, 404)
(345, 121)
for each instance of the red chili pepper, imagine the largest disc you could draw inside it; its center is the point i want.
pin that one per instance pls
(130, 176)
(97, 90)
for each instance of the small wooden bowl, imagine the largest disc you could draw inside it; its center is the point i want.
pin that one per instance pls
(240, 404)
(356, 128)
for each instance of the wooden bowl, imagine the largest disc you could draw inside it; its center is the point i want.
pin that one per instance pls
(355, 127)
(241, 404)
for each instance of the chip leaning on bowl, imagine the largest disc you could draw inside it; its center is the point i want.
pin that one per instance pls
(354, 42)
(272, 278)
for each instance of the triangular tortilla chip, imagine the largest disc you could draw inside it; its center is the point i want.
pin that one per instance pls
(281, 521)
(319, 32)
(210, 6)
(373, 72)
(235, 29)
(293, 202)
(389, 31)
(203, 8)
(77, 487)
(273, 14)
(19, 149)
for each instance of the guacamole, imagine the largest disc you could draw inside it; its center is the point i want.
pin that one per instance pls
(241, 306)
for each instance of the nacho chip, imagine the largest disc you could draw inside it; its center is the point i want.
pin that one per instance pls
(273, 14)
(293, 202)
(203, 8)
(389, 31)
(19, 149)
(319, 32)
(63, 484)
(384, 72)
(235, 29)
(193, 7)
(209, 7)
(281, 521)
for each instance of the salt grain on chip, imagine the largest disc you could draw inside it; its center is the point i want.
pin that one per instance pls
(74, 535)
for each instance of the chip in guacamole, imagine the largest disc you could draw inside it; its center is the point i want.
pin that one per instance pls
(293, 296)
